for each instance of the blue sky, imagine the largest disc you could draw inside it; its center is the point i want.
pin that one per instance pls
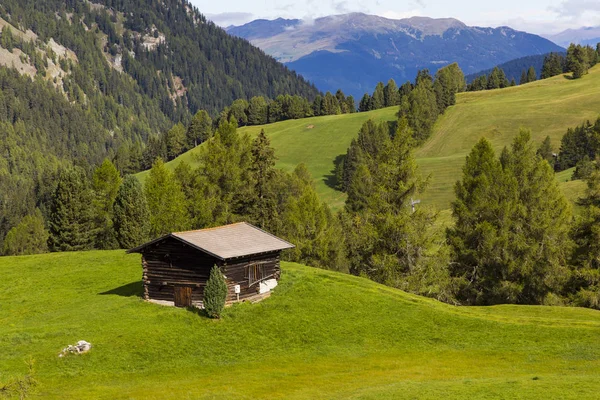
(537, 16)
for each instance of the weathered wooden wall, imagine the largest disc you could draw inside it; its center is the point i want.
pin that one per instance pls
(235, 271)
(171, 263)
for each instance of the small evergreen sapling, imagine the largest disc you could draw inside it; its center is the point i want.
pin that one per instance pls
(215, 293)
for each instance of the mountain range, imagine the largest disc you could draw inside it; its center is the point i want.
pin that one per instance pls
(355, 51)
(585, 35)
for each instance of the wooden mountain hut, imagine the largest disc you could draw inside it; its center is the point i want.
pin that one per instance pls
(176, 266)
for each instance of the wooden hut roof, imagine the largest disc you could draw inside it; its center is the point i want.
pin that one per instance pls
(229, 241)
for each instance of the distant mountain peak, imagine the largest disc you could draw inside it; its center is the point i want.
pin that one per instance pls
(355, 51)
(584, 35)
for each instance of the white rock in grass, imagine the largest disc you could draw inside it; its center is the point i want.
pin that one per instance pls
(81, 347)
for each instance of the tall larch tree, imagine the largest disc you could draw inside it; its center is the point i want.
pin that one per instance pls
(166, 201)
(105, 185)
(511, 236)
(200, 129)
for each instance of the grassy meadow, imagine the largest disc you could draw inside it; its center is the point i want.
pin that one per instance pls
(548, 107)
(320, 335)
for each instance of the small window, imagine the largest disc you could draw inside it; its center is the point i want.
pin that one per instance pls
(256, 273)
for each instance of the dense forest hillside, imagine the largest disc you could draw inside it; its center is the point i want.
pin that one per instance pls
(514, 68)
(81, 81)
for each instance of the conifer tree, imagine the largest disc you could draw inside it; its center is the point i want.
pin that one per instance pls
(175, 140)
(105, 186)
(420, 108)
(553, 65)
(221, 189)
(531, 75)
(166, 202)
(28, 237)
(378, 97)
(71, 219)
(448, 81)
(215, 293)
(511, 237)
(257, 111)
(200, 129)
(523, 79)
(131, 219)
(586, 280)
(386, 240)
(546, 152)
(350, 105)
(263, 172)
(404, 91)
(390, 94)
(366, 103)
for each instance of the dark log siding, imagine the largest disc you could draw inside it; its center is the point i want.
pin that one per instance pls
(235, 271)
(171, 263)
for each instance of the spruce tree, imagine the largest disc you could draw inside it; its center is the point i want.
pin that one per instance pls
(365, 103)
(215, 293)
(71, 219)
(166, 201)
(131, 217)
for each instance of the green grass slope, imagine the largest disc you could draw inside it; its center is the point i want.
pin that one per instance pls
(548, 107)
(320, 335)
(315, 142)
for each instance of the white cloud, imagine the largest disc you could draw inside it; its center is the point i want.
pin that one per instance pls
(230, 18)
(577, 8)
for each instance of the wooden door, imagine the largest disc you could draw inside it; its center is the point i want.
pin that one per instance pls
(183, 296)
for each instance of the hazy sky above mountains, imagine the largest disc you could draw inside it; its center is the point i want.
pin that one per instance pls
(536, 16)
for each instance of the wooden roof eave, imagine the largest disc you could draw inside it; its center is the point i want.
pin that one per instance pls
(170, 235)
(157, 240)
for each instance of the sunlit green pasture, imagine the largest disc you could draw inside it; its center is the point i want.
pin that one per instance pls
(320, 335)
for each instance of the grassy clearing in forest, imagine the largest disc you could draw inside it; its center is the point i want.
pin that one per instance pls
(548, 107)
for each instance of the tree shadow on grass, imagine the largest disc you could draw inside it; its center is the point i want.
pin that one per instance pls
(133, 289)
(331, 179)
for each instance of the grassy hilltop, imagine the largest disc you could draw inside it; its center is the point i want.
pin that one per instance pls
(548, 107)
(320, 335)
